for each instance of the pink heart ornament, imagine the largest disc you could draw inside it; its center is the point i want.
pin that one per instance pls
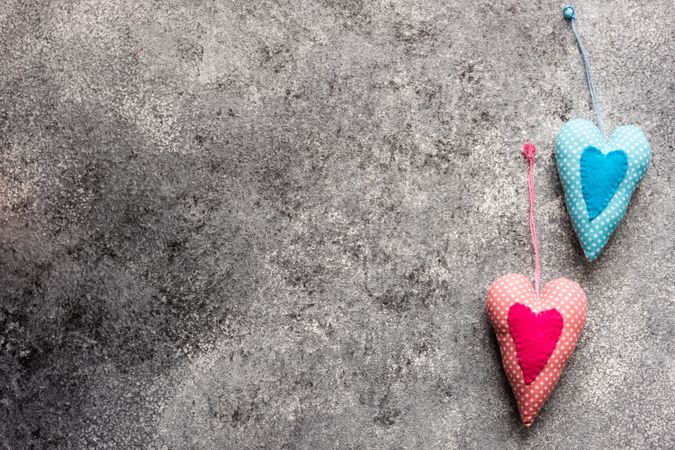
(536, 337)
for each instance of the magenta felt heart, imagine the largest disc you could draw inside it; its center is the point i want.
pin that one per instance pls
(535, 337)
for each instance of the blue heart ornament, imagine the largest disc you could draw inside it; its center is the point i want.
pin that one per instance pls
(599, 177)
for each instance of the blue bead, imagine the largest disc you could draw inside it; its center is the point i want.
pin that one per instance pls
(568, 12)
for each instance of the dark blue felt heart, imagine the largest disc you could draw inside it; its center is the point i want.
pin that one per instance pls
(600, 177)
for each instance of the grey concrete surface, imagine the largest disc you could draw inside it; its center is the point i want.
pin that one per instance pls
(271, 224)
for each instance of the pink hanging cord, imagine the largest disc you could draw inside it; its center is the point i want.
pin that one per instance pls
(529, 150)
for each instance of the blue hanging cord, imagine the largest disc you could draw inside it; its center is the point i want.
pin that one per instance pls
(570, 16)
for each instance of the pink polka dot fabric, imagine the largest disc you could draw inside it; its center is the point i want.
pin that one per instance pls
(564, 296)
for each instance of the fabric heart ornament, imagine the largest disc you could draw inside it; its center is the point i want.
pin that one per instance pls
(598, 178)
(537, 331)
(598, 175)
(536, 336)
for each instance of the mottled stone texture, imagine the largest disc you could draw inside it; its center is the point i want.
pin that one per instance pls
(272, 224)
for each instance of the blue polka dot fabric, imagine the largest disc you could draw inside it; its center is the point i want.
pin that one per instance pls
(573, 139)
